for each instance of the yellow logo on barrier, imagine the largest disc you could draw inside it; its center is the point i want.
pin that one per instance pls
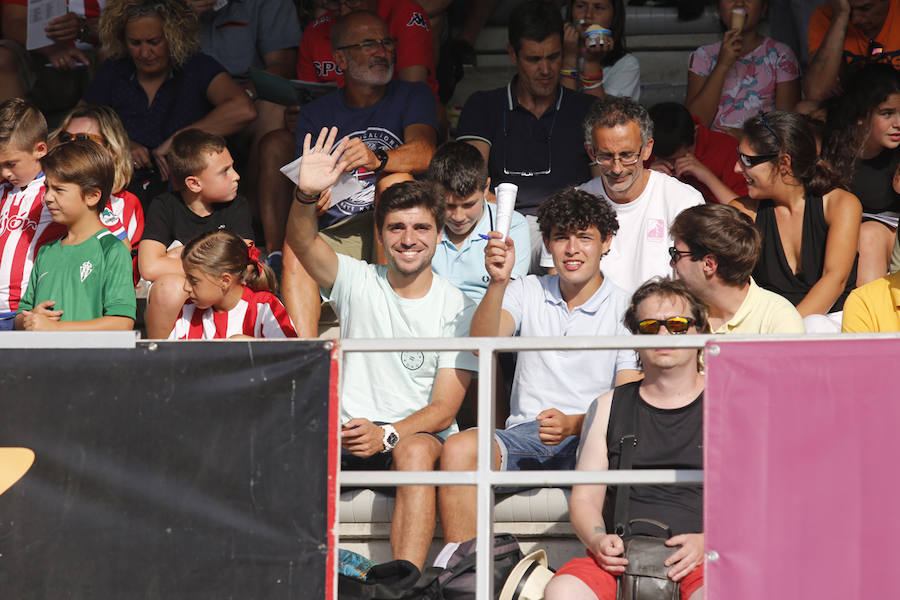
(14, 463)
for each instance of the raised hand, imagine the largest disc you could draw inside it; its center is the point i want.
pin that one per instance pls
(322, 162)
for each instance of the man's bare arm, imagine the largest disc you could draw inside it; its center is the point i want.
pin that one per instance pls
(825, 63)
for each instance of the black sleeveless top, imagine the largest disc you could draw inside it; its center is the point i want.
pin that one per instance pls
(873, 182)
(772, 271)
(666, 439)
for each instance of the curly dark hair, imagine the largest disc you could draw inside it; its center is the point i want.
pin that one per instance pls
(411, 194)
(849, 115)
(571, 209)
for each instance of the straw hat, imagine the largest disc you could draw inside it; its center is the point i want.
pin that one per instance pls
(528, 578)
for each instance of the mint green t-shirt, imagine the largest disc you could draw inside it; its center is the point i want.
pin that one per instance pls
(87, 280)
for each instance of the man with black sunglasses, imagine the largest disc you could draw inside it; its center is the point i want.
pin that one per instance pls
(714, 250)
(619, 138)
(529, 131)
(661, 417)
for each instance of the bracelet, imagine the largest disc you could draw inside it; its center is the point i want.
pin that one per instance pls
(569, 73)
(592, 86)
(306, 199)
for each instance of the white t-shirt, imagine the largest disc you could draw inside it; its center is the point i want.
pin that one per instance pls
(568, 380)
(390, 386)
(640, 249)
(623, 78)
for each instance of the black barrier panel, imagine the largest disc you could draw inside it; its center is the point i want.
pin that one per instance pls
(183, 470)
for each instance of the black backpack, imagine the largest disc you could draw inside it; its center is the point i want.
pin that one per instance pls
(401, 580)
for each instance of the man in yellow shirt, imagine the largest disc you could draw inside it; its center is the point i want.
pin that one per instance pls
(874, 307)
(714, 252)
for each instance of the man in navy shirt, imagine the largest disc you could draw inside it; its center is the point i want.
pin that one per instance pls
(393, 129)
(530, 130)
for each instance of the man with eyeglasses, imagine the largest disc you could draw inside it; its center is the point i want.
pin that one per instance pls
(714, 250)
(619, 138)
(529, 131)
(408, 24)
(392, 126)
(845, 31)
(660, 418)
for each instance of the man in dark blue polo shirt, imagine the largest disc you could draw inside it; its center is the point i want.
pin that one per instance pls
(530, 131)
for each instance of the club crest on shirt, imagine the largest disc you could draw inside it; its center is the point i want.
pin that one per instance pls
(108, 217)
(418, 20)
(373, 137)
(86, 269)
(412, 360)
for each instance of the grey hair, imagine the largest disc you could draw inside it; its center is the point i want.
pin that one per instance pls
(610, 111)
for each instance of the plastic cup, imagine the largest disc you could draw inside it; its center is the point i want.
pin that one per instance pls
(506, 203)
(738, 16)
(595, 36)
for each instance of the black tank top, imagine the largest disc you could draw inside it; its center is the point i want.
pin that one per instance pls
(873, 182)
(772, 271)
(666, 439)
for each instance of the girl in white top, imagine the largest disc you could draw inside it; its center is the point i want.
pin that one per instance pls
(598, 63)
(228, 289)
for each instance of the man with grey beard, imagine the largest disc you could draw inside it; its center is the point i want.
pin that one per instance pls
(392, 123)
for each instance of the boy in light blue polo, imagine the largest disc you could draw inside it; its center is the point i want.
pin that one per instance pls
(551, 389)
(459, 171)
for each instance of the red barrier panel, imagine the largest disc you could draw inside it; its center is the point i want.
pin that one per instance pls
(801, 491)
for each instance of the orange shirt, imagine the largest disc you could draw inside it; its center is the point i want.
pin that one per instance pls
(856, 44)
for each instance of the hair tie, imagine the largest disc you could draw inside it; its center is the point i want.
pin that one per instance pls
(254, 253)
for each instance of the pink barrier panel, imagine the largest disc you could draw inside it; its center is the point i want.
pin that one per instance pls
(801, 469)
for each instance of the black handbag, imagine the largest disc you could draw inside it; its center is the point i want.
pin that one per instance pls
(645, 575)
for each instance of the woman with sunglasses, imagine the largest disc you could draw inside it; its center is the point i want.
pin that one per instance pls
(862, 140)
(123, 216)
(159, 83)
(809, 226)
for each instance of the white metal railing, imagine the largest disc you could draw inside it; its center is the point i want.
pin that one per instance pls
(485, 478)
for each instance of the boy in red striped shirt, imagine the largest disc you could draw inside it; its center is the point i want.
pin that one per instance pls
(25, 224)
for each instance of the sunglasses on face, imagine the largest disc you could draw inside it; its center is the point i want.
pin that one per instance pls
(65, 137)
(675, 325)
(676, 254)
(751, 161)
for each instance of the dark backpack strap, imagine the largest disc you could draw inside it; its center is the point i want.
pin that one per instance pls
(627, 444)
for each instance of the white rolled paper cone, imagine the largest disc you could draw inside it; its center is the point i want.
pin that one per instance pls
(506, 203)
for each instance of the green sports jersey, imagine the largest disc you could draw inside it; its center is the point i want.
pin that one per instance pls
(87, 280)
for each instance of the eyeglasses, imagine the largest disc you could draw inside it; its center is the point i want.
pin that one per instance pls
(674, 325)
(626, 159)
(676, 254)
(336, 4)
(370, 46)
(751, 161)
(65, 137)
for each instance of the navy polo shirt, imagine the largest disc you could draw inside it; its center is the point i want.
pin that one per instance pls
(522, 143)
(151, 123)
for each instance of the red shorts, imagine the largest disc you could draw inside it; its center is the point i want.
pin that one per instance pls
(603, 583)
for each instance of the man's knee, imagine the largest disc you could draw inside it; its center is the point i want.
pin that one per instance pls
(460, 452)
(276, 143)
(419, 452)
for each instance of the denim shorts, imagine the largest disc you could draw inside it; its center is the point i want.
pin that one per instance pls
(521, 449)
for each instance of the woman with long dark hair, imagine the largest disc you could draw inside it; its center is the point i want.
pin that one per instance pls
(809, 225)
(861, 140)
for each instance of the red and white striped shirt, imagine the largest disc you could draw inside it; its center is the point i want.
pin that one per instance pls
(25, 226)
(257, 314)
(124, 217)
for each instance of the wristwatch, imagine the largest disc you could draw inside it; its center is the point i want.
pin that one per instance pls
(84, 32)
(390, 439)
(382, 156)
